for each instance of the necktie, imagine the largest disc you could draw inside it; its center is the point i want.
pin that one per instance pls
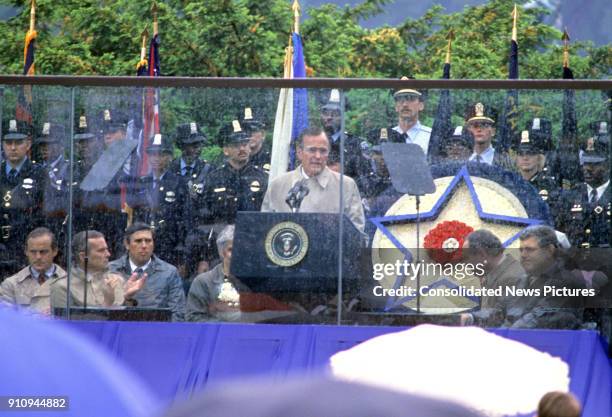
(41, 278)
(188, 170)
(139, 271)
(12, 174)
(479, 159)
(593, 196)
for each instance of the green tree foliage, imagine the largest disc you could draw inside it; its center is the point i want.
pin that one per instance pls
(232, 38)
(248, 37)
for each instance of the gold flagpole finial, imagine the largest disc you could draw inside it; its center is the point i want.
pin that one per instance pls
(143, 48)
(515, 18)
(33, 16)
(565, 38)
(155, 25)
(296, 16)
(451, 37)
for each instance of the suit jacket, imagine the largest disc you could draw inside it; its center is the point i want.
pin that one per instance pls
(585, 224)
(322, 198)
(508, 273)
(96, 289)
(163, 288)
(24, 290)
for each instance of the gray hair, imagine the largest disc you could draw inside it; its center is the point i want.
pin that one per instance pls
(485, 240)
(545, 235)
(40, 232)
(226, 236)
(79, 243)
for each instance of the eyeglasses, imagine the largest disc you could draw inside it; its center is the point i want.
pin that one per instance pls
(313, 150)
(480, 125)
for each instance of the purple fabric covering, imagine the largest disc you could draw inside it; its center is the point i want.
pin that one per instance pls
(40, 357)
(177, 359)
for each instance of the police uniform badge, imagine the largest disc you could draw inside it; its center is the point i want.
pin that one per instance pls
(170, 197)
(286, 244)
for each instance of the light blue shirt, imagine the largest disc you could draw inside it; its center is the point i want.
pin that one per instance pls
(486, 157)
(184, 166)
(8, 167)
(417, 134)
(48, 273)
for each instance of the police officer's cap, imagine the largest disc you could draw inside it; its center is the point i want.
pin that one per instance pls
(160, 144)
(51, 133)
(531, 144)
(16, 130)
(333, 104)
(460, 136)
(250, 122)
(188, 134)
(114, 120)
(83, 130)
(596, 150)
(407, 92)
(233, 134)
(480, 113)
(600, 128)
(541, 128)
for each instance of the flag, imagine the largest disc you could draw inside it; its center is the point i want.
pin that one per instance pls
(23, 111)
(292, 108)
(569, 125)
(151, 107)
(509, 121)
(442, 126)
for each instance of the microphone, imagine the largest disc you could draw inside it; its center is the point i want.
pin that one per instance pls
(296, 194)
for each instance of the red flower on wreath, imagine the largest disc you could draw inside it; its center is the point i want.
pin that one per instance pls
(444, 242)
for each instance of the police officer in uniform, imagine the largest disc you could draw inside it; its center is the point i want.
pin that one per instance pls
(50, 146)
(409, 104)
(480, 122)
(20, 193)
(190, 166)
(160, 200)
(260, 149)
(99, 209)
(585, 211)
(457, 147)
(531, 160)
(356, 165)
(234, 186)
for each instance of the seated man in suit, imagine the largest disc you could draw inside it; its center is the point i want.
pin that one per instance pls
(30, 286)
(501, 270)
(164, 287)
(92, 283)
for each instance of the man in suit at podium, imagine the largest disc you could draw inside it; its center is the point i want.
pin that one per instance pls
(322, 184)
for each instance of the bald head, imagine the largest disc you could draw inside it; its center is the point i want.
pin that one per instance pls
(559, 404)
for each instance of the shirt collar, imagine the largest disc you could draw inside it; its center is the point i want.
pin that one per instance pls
(133, 266)
(322, 179)
(486, 156)
(18, 167)
(600, 190)
(410, 132)
(48, 273)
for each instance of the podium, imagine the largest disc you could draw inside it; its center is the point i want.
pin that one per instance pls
(295, 252)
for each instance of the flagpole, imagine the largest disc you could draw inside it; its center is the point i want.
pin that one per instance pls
(155, 24)
(565, 38)
(451, 37)
(33, 16)
(296, 16)
(514, 23)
